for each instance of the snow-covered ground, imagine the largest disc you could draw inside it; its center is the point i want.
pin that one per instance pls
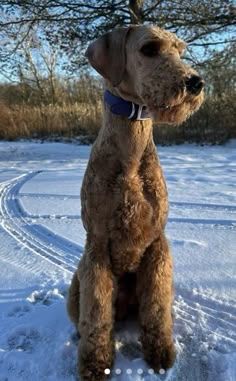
(42, 238)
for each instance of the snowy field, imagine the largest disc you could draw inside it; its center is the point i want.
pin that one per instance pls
(42, 239)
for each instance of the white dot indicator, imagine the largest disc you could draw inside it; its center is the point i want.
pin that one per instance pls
(118, 371)
(129, 371)
(162, 371)
(140, 371)
(150, 371)
(107, 371)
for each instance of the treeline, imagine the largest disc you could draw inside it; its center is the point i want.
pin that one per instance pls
(49, 93)
(73, 110)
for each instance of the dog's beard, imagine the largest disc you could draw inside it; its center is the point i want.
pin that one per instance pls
(177, 110)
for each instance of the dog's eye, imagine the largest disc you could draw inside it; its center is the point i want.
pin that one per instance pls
(151, 49)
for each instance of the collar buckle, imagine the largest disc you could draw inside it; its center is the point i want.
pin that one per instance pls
(120, 106)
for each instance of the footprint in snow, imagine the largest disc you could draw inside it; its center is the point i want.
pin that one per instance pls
(19, 311)
(23, 339)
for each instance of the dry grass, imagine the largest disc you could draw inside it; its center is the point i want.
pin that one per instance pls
(69, 120)
(78, 113)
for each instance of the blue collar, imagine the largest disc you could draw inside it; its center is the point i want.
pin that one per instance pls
(119, 106)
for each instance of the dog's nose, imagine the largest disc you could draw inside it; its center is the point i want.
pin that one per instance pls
(194, 84)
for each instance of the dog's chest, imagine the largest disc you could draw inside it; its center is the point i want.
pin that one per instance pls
(127, 208)
(135, 221)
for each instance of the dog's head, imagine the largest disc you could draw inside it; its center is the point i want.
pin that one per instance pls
(143, 64)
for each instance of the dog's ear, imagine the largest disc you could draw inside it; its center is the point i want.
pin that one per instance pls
(107, 54)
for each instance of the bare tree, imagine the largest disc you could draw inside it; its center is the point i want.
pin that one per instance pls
(207, 26)
(36, 69)
(136, 11)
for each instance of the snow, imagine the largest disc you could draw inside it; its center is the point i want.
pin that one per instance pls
(42, 239)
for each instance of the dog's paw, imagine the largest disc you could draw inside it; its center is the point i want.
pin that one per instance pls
(95, 365)
(93, 374)
(160, 357)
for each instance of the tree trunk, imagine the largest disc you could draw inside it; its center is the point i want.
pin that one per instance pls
(136, 11)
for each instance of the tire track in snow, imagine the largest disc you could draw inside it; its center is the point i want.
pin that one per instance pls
(205, 336)
(197, 205)
(36, 238)
(222, 216)
(201, 313)
(205, 221)
(203, 319)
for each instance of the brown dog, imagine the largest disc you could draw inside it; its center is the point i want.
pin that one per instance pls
(127, 261)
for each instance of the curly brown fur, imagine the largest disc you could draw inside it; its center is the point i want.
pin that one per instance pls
(73, 300)
(155, 295)
(96, 313)
(127, 262)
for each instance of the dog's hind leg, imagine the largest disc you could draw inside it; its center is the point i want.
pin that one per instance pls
(73, 300)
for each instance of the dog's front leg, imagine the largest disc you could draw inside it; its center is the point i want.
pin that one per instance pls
(155, 294)
(96, 349)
